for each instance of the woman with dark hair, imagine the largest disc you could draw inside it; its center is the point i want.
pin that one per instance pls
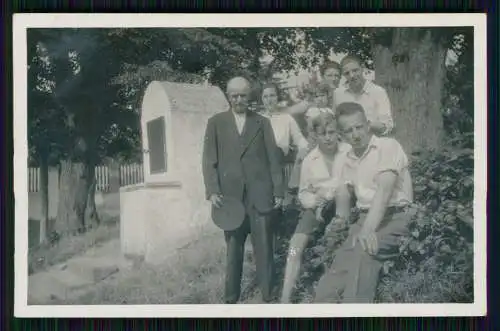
(331, 74)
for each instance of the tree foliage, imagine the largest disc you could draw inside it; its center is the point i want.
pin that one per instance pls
(115, 65)
(436, 261)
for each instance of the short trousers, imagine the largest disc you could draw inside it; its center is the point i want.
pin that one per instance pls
(309, 225)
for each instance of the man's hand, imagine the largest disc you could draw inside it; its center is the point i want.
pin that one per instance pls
(216, 200)
(319, 212)
(367, 238)
(278, 202)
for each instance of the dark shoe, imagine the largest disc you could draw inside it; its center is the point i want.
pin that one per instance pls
(230, 302)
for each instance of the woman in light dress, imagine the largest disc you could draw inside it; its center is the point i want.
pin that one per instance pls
(287, 133)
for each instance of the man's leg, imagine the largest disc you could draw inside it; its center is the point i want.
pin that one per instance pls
(303, 233)
(298, 243)
(277, 223)
(333, 282)
(262, 242)
(355, 273)
(235, 242)
(392, 228)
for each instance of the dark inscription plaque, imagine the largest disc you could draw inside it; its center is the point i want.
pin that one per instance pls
(157, 146)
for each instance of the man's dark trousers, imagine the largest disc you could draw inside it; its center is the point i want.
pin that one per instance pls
(259, 226)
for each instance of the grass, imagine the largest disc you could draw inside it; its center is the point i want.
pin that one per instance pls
(40, 257)
(194, 276)
(434, 285)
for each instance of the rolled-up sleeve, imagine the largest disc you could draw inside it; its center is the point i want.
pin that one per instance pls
(394, 159)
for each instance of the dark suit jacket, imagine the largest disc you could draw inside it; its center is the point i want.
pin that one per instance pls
(233, 164)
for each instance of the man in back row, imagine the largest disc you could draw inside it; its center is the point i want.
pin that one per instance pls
(376, 170)
(372, 97)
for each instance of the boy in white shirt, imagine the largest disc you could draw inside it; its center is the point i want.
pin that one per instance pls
(321, 97)
(319, 177)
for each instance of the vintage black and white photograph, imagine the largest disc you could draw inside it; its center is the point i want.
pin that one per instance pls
(250, 165)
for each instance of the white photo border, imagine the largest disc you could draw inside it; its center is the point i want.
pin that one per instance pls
(21, 22)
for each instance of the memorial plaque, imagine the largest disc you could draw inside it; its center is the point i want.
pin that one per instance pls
(157, 145)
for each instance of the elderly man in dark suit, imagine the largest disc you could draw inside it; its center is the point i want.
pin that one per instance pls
(241, 163)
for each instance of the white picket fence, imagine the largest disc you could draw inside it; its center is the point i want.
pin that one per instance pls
(129, 174)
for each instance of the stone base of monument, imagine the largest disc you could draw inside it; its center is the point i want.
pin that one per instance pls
(159, 218)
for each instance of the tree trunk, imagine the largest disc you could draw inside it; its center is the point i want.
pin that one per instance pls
(91, 215)
(74, 188)
(412, 70)
(44, 196)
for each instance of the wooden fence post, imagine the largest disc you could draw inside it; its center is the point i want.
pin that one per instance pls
(114, 176)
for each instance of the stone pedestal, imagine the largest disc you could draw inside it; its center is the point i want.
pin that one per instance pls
(157, 219)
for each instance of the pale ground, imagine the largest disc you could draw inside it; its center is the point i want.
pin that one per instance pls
(68, 279)
(102, 276)
(92, 270)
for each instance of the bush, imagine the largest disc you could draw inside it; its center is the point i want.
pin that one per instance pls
(436, 261)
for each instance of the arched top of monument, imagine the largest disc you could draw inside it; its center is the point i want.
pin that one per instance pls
(185, 97)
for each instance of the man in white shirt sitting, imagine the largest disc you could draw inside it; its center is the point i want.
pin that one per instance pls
(372, 97)
(377, 169)
(319, 177)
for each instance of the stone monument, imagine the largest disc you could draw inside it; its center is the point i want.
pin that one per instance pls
(169, 209)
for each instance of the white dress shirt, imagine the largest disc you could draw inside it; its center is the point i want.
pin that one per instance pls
(240, 119)
(317, 182)
(374, 100)
(383, 154)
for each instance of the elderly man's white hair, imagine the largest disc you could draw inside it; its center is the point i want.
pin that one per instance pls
(238, 82)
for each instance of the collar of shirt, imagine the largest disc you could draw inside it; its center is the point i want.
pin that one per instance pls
(240, 116)
(341, 149)
(373, 144)
(365, 90)
(316, 153)
(318, 169)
